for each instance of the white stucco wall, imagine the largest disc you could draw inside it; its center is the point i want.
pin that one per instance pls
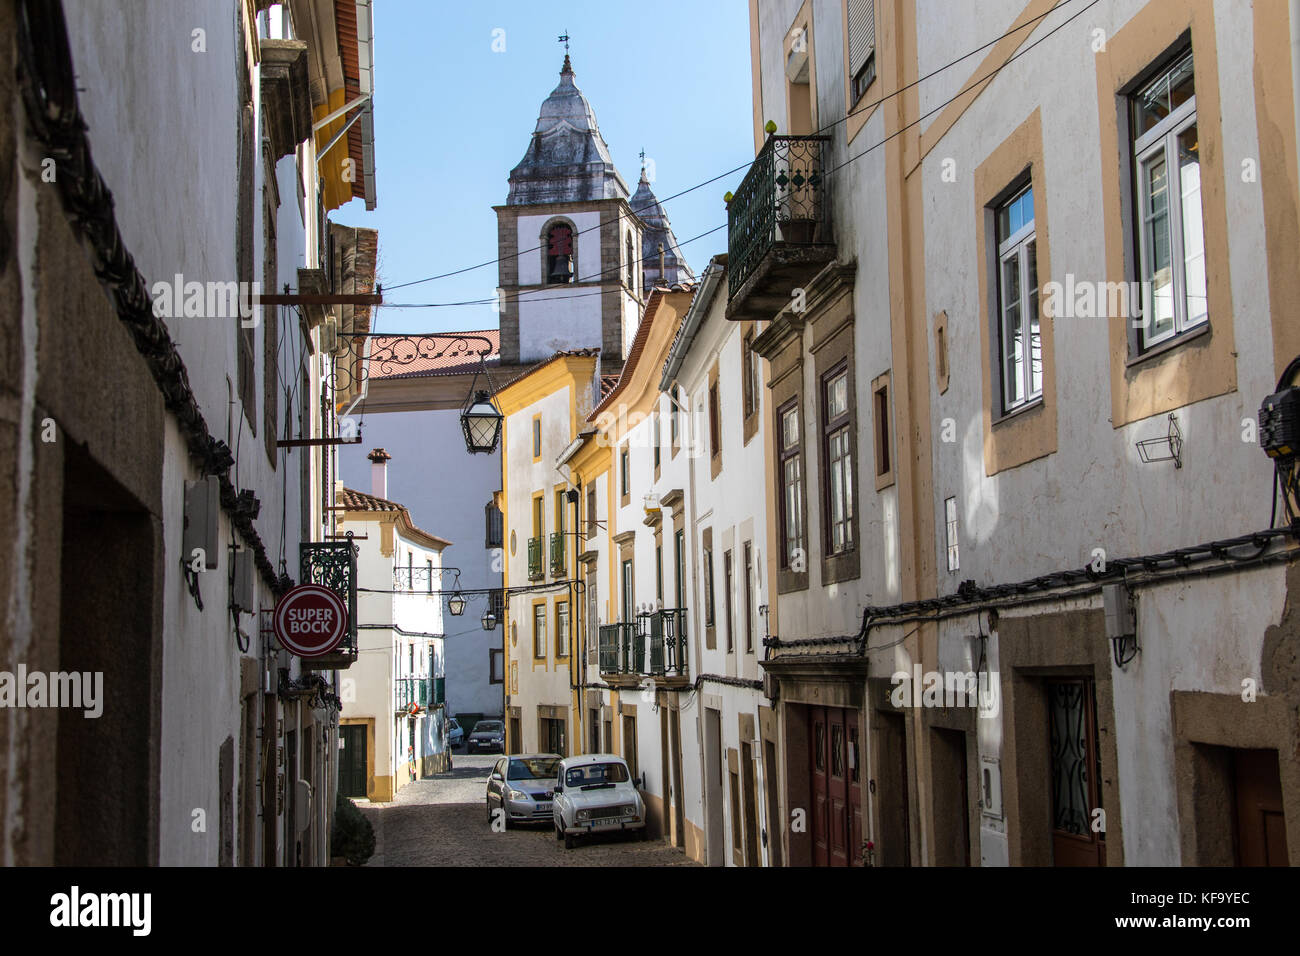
(164, 129)
(445, 488)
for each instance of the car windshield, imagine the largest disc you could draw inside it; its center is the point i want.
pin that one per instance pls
(487, 727)
(535, 768)
(595, 774)
(453, 724)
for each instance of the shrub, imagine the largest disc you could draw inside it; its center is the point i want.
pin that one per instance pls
(352, 837)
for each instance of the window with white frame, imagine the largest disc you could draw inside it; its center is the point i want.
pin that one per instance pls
(838, 424)
(1170, 230)
(791, 487)
(1020, 344)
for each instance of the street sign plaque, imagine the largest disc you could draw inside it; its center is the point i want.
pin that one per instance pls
(310, 620)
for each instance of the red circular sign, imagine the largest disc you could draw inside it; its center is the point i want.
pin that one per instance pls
(310, 620)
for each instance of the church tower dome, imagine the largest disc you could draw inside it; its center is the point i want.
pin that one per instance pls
(569, 246)
(567, 159)
(662, 263)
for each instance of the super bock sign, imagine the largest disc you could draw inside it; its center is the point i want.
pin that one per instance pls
(310, 620)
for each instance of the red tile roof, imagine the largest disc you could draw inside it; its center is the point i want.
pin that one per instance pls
(353, 500)
(407, 356)
(607, 383)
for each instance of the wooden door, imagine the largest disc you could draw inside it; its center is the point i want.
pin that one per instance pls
(351, 760)
(835, 785)
(1075, 769)
(1261, 826)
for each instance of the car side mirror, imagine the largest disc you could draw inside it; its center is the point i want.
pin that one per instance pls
(558, 786)
(495, 776)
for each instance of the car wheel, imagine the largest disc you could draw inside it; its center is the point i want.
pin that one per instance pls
(568, 841)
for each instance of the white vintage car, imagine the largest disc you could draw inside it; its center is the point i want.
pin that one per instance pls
(595, 793)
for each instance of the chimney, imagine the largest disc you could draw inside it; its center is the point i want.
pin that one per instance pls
(379, 472)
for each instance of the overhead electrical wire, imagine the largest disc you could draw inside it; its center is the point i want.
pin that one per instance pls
(1032, 22)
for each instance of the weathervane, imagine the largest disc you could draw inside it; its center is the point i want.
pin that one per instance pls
(564, 38)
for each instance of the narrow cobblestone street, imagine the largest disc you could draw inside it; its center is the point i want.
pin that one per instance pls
(441, 821)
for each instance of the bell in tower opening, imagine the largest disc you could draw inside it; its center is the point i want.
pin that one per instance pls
(559, 254)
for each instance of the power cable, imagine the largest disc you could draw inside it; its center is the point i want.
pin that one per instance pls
(832, 125)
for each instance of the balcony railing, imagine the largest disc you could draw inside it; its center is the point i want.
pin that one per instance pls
(559, 567)
(622, 649)
(654, 646)
(421, 691)
(779, 215)
(667, 630)
(535, 559)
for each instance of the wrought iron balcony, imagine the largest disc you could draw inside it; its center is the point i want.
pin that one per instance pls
(535, 572)
(667, 629)
(622, 649)
(559, 568)
(420, 691)
(333, 564)
(778, 226)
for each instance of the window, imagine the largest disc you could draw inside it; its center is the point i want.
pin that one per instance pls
(559, 254)
(538, 518)
(591, 511)
(862, 45)
(537, 437)
(1170, 240)
(674, 426)
(492, 519)
(708, 586)
(749, 597)
(715, 422)
(726, 600)
(679, 556)
(791, 488)
(749, 373)
(659, 573)
(539, 631)
(631, 264)
(880, 402)
(428, 567)
(950, 517)
(629, 594)
(496, 668)
(658, 440)
(562, 629)
(410, 571)
(839, 460)
(624, 477)
(410, 662)
(1019, 338)
(497, 604)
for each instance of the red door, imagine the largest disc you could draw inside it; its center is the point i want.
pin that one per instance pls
(835, 771)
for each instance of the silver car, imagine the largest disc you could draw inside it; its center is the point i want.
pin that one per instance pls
(595, 793)
(521, 786)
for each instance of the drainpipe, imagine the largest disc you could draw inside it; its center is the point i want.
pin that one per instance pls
(1295, 74)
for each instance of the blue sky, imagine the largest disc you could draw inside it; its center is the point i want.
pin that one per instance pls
(452, 118)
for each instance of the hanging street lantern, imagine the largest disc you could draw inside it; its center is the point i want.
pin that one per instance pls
(456, 604)
(489, 620)
(481, 423)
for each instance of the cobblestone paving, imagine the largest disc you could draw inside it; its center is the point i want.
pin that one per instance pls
(442, 821)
